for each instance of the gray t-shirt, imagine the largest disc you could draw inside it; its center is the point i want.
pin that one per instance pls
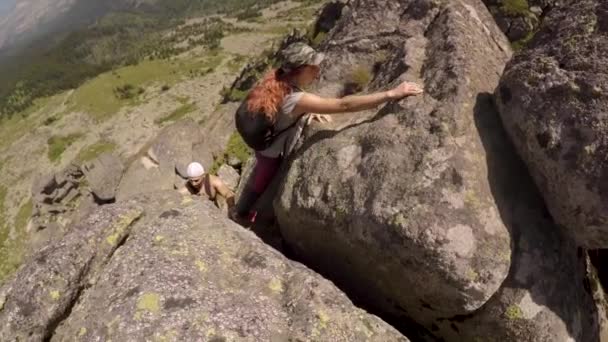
(286, 117)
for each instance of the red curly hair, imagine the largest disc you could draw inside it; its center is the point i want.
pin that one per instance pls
(267, 96)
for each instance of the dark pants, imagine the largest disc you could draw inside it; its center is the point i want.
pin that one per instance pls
(263, 173)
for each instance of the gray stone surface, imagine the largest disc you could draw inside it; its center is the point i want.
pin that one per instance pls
(399, 203)
(546, 296)
(172, 148)
(44, 184)
(166, 267)
(104, 175)
(216, 128)
(55, 199)
(144, 176)
(229, 176)
(553, 101)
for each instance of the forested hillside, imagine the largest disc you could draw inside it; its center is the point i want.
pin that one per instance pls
(64, 61)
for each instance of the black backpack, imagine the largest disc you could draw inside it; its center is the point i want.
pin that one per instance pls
(257, 131)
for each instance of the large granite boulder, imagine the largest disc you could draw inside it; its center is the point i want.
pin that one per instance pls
(144, 175)
(398, 206)
(172, 148)
(554, 104)
(217, 127)
(169, 154)
(546, 296)
(171, 268)
(56, 198)
(229, 176)
(104, 175)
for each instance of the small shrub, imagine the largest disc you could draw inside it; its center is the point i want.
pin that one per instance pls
(124, 92)
(319, 38)
(515, 7)
(236, 147)
(520, 44)
(50, 120)
(165, 87)
(359, 78)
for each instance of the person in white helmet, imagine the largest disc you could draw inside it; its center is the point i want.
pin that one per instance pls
(204, 184)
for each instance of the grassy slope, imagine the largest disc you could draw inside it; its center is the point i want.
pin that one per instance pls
(118, 38)
(96, 98)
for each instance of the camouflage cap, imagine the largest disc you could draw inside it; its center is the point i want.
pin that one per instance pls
(299, 54)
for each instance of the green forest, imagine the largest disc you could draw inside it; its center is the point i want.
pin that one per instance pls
(117, 39)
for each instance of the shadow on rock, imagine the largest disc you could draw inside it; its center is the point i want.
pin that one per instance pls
(546, 296)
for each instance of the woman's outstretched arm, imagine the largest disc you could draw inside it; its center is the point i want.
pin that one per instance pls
(310, 103)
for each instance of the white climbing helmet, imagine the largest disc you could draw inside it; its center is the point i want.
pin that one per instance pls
(195, 170)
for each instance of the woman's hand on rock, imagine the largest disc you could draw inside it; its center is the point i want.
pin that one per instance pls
(403, 90)
(318, 117)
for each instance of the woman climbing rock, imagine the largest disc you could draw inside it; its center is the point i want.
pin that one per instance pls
(272, 117)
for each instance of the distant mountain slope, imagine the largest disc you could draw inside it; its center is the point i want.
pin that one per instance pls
(28, 16)
(55, 48)
(29, 19)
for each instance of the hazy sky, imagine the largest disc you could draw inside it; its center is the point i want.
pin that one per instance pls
(6, 4)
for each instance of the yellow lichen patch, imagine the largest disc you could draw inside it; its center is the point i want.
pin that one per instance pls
(472, 275)
(149, 302)
(210, 332)
(187, 200)
(179, 252)
(201, 266)
(369, 328)
(168, 336)
(399, 220)
(124, 221)
(471, 200)
(159, 238)
(82, 331)
(112, 239)
(505, 255)
(276, 285)
(112, 325)
(514, 312)
(323, 319)
(55, 295)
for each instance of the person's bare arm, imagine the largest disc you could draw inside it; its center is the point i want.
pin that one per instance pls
(310, 103)
(221, 188)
